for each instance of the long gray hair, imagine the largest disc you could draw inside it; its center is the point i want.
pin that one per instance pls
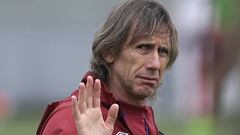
(129, 20)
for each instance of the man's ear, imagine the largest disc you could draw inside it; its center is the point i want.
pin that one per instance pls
(108, 58)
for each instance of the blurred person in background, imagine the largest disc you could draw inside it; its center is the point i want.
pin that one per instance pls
(226, 52)
(131, 52)
(220, 63)
(220, 48)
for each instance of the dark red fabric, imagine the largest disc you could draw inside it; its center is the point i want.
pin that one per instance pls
(58, 118)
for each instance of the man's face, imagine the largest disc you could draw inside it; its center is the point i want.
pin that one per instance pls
(138, 70)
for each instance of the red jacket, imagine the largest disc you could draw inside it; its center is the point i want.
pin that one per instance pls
(133, 120)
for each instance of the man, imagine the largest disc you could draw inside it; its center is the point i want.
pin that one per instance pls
(131, 52)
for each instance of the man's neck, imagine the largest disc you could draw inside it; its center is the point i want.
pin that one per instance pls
(123, 95)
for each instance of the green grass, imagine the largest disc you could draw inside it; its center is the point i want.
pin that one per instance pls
(26, 123)
(201, 126)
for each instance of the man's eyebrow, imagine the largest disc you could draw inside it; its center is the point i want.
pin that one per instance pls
(166, 45)
(152, 43)
(143, 40)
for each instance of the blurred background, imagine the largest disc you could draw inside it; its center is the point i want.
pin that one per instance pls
(45, 49)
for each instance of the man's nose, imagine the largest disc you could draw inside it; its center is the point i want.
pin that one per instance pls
(154, 61)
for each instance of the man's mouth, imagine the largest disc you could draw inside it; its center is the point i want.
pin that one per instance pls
(152, 81)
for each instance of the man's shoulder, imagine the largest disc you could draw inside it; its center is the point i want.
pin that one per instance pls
(59, 107)
(57, 117)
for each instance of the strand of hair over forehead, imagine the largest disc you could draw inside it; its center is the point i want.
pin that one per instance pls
(145, 21)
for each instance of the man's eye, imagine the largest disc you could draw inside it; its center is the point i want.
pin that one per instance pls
(144, 47)
(163, 51)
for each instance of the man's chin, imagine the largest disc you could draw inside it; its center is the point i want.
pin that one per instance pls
(147, 91)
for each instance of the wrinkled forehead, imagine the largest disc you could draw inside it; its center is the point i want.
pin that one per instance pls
(162, 32)
(150, 28)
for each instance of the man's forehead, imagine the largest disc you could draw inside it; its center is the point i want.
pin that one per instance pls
(164, 38)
